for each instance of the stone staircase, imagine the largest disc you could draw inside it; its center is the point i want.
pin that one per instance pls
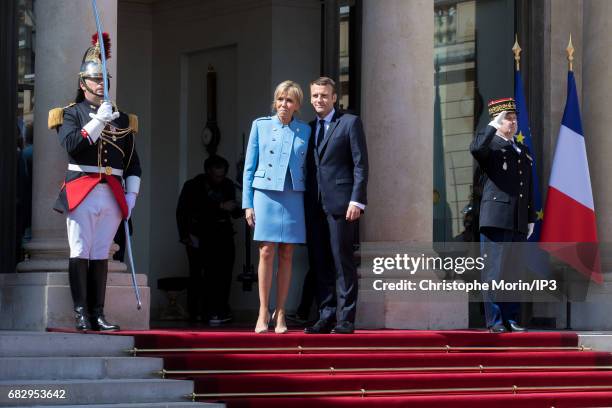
(83, 370)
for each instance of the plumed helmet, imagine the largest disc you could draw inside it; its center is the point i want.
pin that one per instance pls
(91, 67)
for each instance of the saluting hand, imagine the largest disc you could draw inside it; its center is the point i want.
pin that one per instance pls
(497, 121)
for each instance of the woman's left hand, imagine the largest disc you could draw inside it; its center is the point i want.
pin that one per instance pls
(250, 217)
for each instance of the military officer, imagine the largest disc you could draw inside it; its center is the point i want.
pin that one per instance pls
(507, 214)
(100, 187)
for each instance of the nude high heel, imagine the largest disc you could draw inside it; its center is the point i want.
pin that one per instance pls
(262, 324)
(280, 326)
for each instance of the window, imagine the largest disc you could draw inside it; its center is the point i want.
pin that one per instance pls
(25, 119)
(473, 63)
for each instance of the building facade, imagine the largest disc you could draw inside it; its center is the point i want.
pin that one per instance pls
(394, 60)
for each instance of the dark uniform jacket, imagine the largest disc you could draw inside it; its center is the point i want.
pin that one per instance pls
(507, 196)
(198, 211)
(114, 149)
(341, 163)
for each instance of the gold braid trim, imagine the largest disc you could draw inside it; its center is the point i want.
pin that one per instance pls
(133, 122)
(127, 166)
(120, 133)
(107, 140)
(56, 117)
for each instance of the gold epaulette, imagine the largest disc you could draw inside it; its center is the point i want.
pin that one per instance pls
(133, 122)
(56, 116)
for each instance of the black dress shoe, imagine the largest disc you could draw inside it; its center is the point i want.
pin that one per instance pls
(320, 327)
(514, 327)
(344, 327)
(498, 328)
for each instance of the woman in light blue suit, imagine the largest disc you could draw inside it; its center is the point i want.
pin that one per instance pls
(273, 186)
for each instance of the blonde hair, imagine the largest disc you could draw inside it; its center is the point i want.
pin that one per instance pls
(290, 88)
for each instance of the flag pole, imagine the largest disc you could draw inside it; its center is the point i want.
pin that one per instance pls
(570, 67)
(516, 49)
(570, 54)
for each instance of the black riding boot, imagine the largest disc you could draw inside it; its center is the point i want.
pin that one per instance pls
(96, 291)
(77, 276)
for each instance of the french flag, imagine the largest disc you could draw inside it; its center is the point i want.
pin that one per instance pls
(569, 231)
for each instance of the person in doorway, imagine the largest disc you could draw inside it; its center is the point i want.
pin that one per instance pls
(204, 217)
(273, 186)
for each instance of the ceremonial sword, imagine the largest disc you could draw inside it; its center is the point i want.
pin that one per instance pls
(128, 243)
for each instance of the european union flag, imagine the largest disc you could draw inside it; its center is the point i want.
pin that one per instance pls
(537, 260)
(524, 137)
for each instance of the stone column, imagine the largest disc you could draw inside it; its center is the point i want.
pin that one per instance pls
(397, 104)
(596, 118)
(596, 113)
(64, 32)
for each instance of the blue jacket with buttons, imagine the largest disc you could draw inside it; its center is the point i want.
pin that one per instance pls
(272, 149)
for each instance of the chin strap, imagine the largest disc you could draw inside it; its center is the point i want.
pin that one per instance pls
(82, 81)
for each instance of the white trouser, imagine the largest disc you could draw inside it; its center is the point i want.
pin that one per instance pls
(93, 224)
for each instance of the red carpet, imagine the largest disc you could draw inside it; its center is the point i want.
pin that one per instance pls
(492, 372)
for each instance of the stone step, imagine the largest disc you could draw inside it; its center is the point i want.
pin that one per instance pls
(86, 368)
(148, 405)
(44, 344)
(599, 341)
(83, 392)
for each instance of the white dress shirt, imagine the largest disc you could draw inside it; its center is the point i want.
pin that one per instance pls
(327, 120)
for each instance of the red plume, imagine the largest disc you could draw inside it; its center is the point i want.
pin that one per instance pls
(107, 43)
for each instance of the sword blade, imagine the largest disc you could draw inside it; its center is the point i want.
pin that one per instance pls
(102, 49)
(128, 251)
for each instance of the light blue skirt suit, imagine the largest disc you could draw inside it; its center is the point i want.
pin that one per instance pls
(274, 179)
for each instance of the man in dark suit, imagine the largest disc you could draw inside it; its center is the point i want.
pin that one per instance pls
(507, 214)
(335, 198)
(203, 215)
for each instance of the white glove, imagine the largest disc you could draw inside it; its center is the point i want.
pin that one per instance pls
(497, 121)
(105, 113)
(96, 125)
(130, 199)
(530, 229)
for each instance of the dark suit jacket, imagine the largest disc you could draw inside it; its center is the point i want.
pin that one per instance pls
(198, 210)
(507, 196)
(341, 163)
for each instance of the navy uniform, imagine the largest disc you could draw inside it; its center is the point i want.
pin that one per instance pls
(99, 190)
(507, 213)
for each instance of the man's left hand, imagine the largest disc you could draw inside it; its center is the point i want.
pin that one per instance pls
(353, 213)
(229, 205)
